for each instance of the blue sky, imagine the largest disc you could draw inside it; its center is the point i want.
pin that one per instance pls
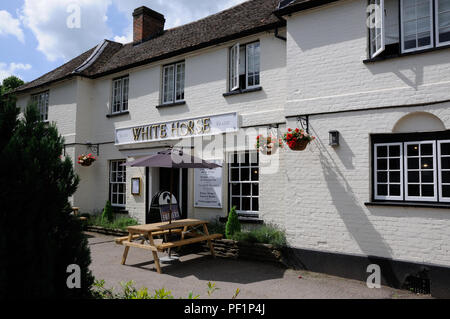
(37, 36)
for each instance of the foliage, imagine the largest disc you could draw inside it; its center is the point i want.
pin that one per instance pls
(119, 222)
(211, 288)
(292, 137)
(9, 84)
(216, 227)
(266, 234)
(40, 238)
(233, 225)
(108, 213)
(130, 292)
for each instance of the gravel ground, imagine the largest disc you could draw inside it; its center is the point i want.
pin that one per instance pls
(255, 280)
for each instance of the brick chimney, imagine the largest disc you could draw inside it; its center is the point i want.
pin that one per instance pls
(146, 24)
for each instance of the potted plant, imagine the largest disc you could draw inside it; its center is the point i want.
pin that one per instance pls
(297, 139)
(86, 160)
(267, 145)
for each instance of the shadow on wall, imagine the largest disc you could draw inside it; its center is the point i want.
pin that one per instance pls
(353, 215)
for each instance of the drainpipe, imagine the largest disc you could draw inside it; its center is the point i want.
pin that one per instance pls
(277, 35)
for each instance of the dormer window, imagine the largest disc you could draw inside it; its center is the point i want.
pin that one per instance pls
(404, 26)
(244, 66)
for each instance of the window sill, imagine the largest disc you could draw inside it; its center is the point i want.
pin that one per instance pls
(409, 204)
(171, 104)
(117, 114)
(244, 220)
(237, 92)
(399, 55)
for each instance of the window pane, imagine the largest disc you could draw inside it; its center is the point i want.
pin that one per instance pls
(446, 177)
(235, 189)
(236, 201)
(427, 177)
(382, 164)
(428, 190)
(445, 162)
(245, 174)
(255, 174)
(382, 190)
(382, 151)
(255, 204)
(417, 18)
(235, 174)
(394, 177)
(394, 163)
(413, 150)
(446, 191)
(414, 190)
(382, 177)
(413, 163)
(394, 151)
(246, 189)
(427, 163)
(255, 189)
(246, 204)
(445, 149)
(394, 190)
(413, 177)
(180, 81)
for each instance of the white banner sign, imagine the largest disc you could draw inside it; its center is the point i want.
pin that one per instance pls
(201, 126)
(208, 187)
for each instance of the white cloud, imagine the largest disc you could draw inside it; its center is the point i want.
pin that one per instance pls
(11, 69)
(10, 26)
(176, 12)
(48, 20)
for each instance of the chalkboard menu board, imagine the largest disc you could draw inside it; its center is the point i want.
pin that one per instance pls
(208, 187)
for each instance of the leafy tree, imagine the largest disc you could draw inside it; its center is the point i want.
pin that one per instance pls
(39, 238)
(108, 213)
(233, 225)
(10, 83)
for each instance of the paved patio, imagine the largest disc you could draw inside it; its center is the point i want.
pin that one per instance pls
(254, 279)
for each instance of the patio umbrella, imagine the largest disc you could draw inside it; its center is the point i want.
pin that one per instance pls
(172, 158)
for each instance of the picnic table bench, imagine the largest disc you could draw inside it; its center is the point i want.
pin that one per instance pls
(185, 228)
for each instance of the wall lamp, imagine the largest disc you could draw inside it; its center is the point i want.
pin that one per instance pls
(334, 138)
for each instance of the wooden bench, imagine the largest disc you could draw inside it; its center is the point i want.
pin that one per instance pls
(187, 228)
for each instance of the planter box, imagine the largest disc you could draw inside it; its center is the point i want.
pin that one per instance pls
(226, 248)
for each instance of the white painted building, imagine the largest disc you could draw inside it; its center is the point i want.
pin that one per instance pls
(380, 196)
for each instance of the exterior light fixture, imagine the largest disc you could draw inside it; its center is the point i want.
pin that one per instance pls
(334, 138)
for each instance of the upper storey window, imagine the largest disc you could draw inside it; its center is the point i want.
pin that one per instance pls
(244, 66)
(173, 83)
(41, 101)
(120, 95)
(403, 26)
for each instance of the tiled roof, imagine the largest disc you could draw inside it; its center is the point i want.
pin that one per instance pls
(247, 18)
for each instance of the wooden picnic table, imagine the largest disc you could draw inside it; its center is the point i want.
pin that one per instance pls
(185, 228)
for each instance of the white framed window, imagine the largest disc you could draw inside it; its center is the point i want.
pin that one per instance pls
(420, 171)
(244, 66)
(388, 171)
(412, 171)
(444, 170)
(120, 95)
(117, 183)
(377, 27)
(442, 17)
(244, 183)
(41, 101)
(416, 25)
(173, 83)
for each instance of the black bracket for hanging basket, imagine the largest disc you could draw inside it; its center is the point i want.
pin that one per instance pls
(304, 122)
(94, 148)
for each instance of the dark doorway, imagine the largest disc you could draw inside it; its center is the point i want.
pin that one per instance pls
(179, 186)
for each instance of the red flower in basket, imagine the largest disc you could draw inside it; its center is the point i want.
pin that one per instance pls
(297, 139)
(86, 160)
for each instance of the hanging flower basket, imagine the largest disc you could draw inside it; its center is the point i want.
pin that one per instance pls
(297, 139)
(86, 160)
(268, 145)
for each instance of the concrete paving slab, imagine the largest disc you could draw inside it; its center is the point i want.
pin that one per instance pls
(255, 280)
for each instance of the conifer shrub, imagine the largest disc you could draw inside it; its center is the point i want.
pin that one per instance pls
(233, 225)
(108, 213)
(39, 237)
